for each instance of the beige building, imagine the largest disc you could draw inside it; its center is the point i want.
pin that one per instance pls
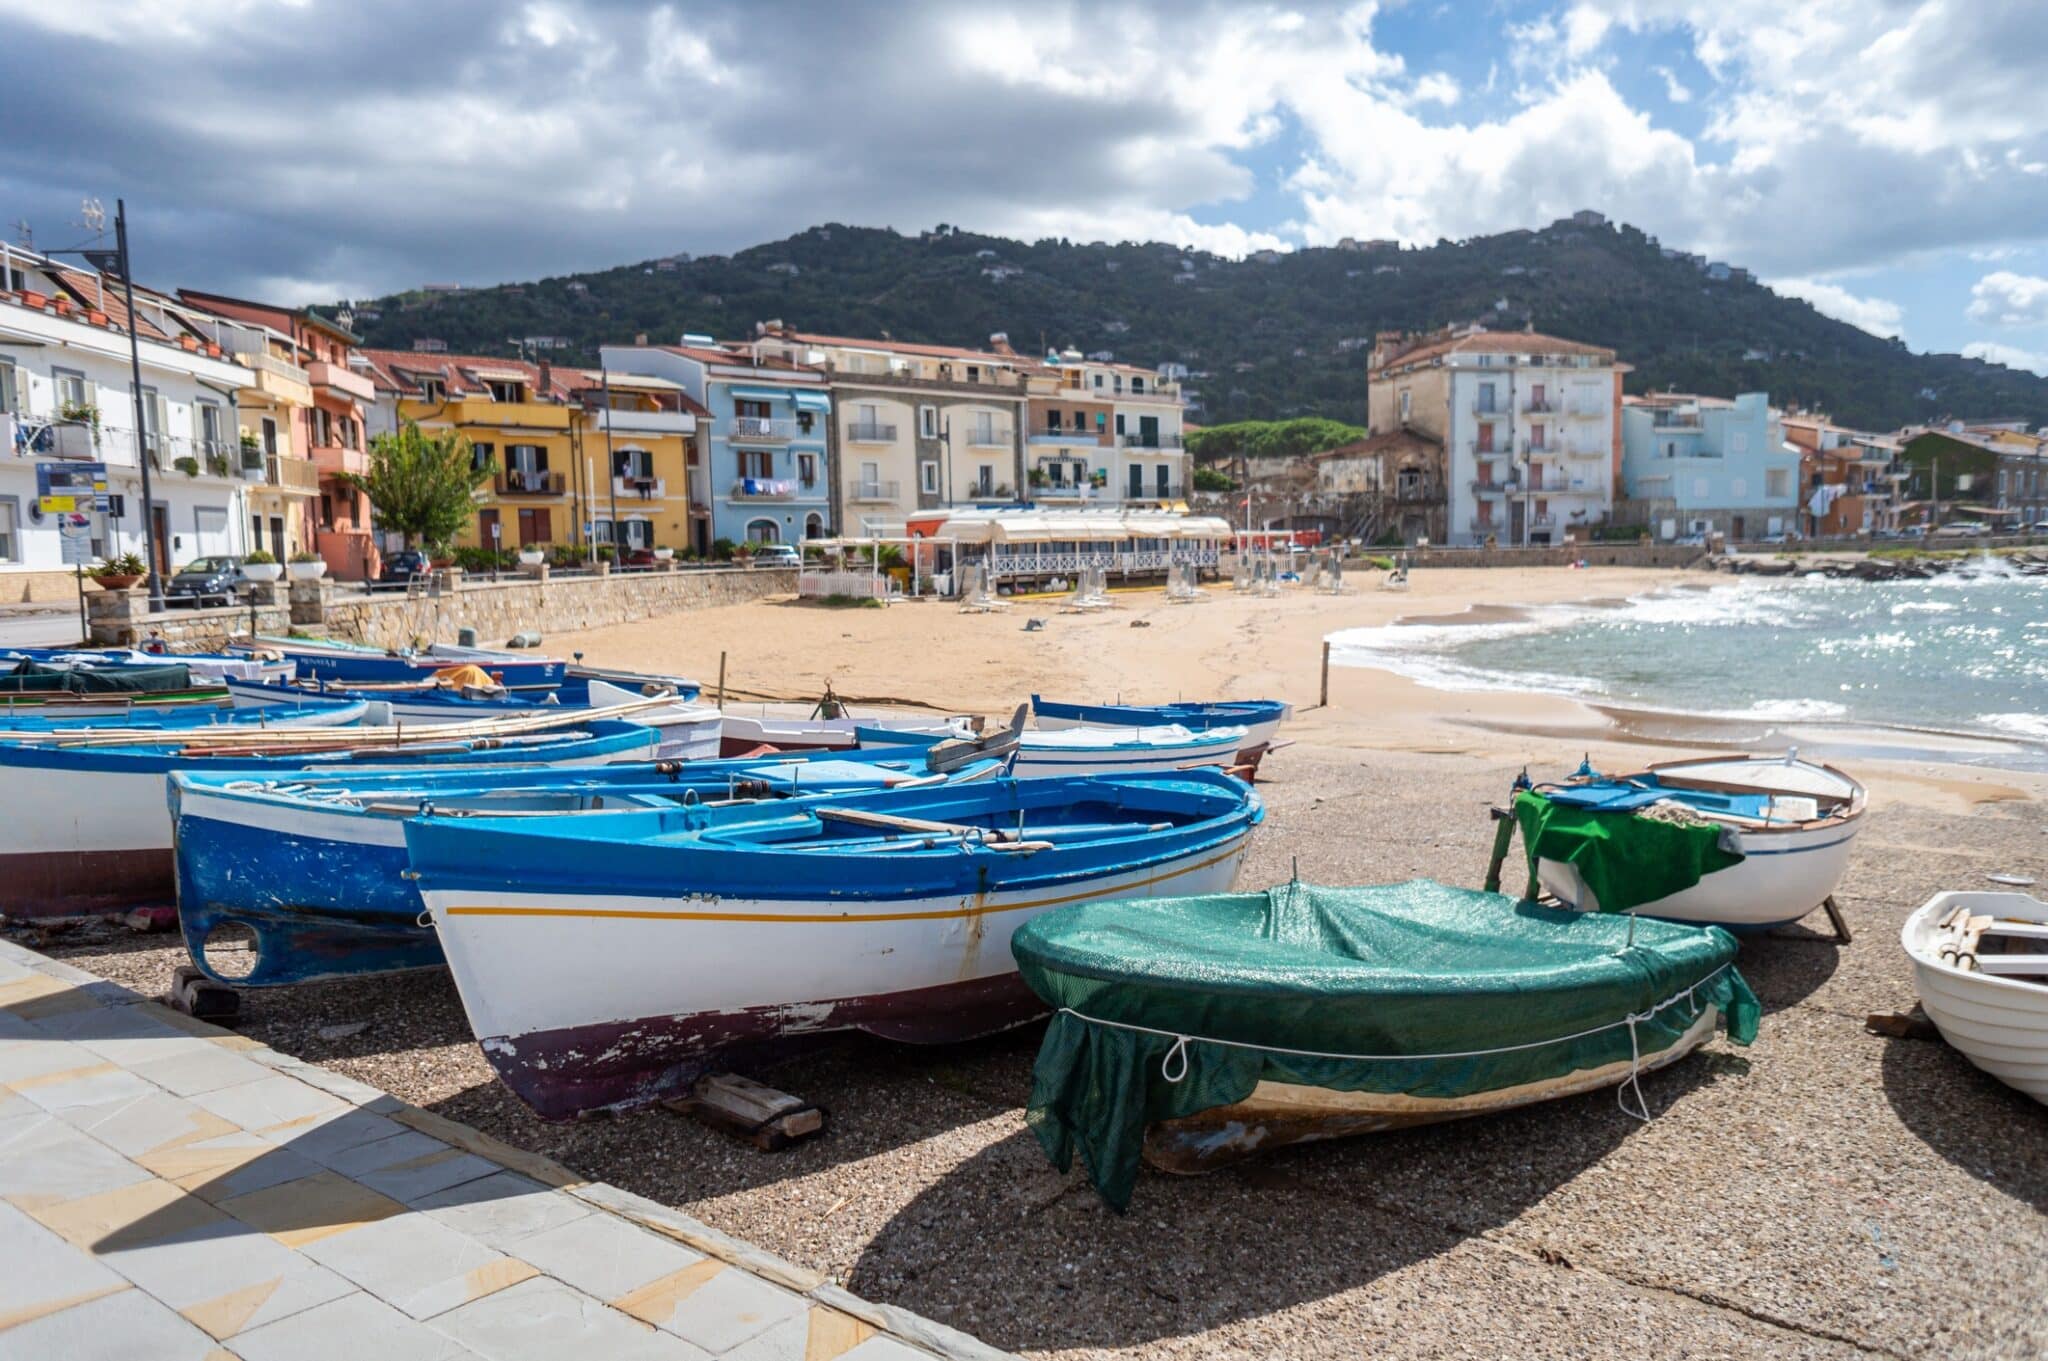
(1133, 444)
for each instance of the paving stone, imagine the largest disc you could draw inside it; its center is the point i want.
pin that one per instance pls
(34, 1058)
(300, 1212)
(332, 1134)
(124, 1326)
(95, 1086)
(141, 1124)
(230, 1165)
(545, 1318)
(351, 1328)
(503, 1208)
(226, 1278)
(880, 1348)
(42, 1272)
(268, 1102)
(604, 1256)
(418, 1264)
(142, 1039)
(49, 1161)
(208, 1068)
(140, 1213)
(718, 1312)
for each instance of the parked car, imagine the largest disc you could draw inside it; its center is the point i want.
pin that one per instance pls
(1967, 529)
(776, 555)
(204, 581)
(404, 565)
(637, 558)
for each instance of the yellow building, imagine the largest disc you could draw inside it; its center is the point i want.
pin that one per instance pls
(575, 455)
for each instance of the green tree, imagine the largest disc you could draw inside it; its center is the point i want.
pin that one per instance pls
(422, 485)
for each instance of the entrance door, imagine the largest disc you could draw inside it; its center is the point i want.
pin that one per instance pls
(534, 526)
(160, 534)
(1736, 529)
(1137, 482)
(487, 528)
(1148, 431)
(277, 538)
(1163, 480)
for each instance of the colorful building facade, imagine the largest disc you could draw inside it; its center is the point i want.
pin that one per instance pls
(1709, 465)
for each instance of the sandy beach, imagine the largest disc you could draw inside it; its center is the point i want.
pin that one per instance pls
(1822, 1193)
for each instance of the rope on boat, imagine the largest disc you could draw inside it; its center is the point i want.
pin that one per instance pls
(1173, 1068)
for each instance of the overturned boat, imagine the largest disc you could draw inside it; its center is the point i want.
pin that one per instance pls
(1197, 1030)
(611, 961)
(307, 871)
(1745, 842)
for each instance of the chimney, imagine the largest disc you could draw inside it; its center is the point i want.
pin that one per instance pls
(547, 381)
(639, 337)
(999, 341)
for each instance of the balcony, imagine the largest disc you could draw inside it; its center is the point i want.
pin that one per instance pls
(542, 416)
(341, 380)
(1069, 491)
(529, 482)
(644, 422)
(1172, 491)
(1483, 527)
(1540, 406)
(1675, 420)
(758, 430)
(1070, 438)
(296, 475)
(276, 379)
(636, 488)
(1160, 441)
(333, 458)
(993, 437)
(1483, 487)
(763, 489)
(1489, 411)
(874, 493)
(870, 432)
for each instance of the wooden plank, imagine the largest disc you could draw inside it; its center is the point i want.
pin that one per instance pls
(861, 817)
(754, 1111)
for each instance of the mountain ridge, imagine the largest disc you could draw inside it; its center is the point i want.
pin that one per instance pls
(1271, 338)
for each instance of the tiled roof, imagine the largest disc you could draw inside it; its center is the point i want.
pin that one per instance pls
(401, 370)
(1402, 441)
(1496, 342)
(739, 357)
(898, 347)
(91, 290)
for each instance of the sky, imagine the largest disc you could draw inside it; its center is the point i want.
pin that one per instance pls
(1886, 160)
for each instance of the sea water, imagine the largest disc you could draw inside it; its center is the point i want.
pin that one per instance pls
(1966, 652)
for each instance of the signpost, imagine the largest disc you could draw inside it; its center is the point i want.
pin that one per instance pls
(74, 542)
(64, 488)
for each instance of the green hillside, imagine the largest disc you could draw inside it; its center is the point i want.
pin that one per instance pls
(1268, 340)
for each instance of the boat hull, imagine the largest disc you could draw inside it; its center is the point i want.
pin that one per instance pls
(603, 1000)
(743, 733)
(1783, 876)
(1277, 1114)
(1999, 1024)
(1040, 762)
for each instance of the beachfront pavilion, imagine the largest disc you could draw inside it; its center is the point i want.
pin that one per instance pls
(1031, 546)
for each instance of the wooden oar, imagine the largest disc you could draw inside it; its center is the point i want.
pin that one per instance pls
(236, 736)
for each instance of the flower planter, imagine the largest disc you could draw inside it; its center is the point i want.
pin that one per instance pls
(528, 558)
(263, 571)
(664, 554)
(64, 306)
(121, 582)
(96, 317)
(188, 343)
(308, 571)
(32, 299)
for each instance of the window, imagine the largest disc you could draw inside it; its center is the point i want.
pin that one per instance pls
(535, 526)
(1098, 381)
(984, 428)
(749, 410)
(1137, 385)
(1738, 441)
(1052, 421)
(482, 454)
(270, 435)
(814, 526)
(1119, 422)
(807, 469)
(71, 388)
(508, 392)
(433, 390)
(1406, 397)
(210, 426)
(928, 478)
(1485, 398)
(1699, 489)
(10, 529)
(974, 373)
(928, 422)
(763, 531)
(10, 388)
(1486, 437)
(1739, 488)
(756, 463)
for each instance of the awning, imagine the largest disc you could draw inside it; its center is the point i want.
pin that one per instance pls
(812, 401)
(762, 394)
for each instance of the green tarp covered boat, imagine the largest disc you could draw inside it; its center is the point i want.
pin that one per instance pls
(1196, 1030)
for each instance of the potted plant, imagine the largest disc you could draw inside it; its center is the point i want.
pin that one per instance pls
(261, 566)
(531, 556)
(664, 554)
(95, 316)
(119, 574)
(186, 464)
(82, 413)
(64, 305)
(32, 299)
(307, 566)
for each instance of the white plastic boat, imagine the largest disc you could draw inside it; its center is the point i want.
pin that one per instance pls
(1118, 751)
(1792, 821)
(1980, 963)
(796, 727)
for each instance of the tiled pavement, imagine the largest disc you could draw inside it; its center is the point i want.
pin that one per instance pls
(174, 1191)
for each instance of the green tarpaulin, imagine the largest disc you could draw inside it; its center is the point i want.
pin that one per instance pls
(33, 678)
(1627, 860)
(1408, 974)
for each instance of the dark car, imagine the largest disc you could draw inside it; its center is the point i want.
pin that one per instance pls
(404, 565)
(202, 581)
(638, 558)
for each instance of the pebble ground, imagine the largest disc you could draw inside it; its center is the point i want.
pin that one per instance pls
(1824, 1193)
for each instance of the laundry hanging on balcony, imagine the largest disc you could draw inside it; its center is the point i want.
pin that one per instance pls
(767, 486)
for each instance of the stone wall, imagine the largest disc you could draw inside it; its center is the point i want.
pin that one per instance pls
(122, 619)
(1562, 555)
(497, 610)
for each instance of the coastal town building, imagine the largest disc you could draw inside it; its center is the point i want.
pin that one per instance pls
(302, 428)
(67, 395)
(1135, 416)
(1708, 465)
(1851, 482)
(1989, 473)
(1522, 430)
(913, 426)
(767, 422)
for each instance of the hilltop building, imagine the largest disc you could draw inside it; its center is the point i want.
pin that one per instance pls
(1522, 428)
(1700, 465)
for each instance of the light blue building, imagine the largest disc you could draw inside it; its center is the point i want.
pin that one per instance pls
(1700, 465)
(765, 474)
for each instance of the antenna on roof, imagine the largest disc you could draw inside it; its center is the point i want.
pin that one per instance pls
(24, 236)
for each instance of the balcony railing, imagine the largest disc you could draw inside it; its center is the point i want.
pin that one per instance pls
(1159, 441)
(530, 482)
(634, 487)
(994, 437)
(340, 378)
(872, 493)
(1540, 406)
(763, 489)
(761, 429)
(1152, 491)
(645, 422)
(870, 432)
(1676, 420)
(292, 474)
(1483, 487)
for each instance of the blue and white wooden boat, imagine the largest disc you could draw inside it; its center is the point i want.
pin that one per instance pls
(209, 667)
(1260, 718)
(83, 826)
(334, 660)
(306, 711)
(314, 866)
(689, 732)
(1107, 751)
(609, 961)
(1791, 821)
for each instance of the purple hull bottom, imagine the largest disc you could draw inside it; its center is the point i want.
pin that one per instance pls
(68, 883)
(565, 1073)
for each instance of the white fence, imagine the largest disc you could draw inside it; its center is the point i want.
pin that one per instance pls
(859, 585)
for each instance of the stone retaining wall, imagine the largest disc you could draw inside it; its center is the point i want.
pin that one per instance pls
(1561, 555)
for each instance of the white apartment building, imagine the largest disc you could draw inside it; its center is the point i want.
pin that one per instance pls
(1105, 433)
(1527, 427)
(67, 395)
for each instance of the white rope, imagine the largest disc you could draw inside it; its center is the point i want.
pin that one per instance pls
(1173, 1068)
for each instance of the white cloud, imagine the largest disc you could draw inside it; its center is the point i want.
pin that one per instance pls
(1879, 316)
(1674, 88)
(2004, 298)
(2012, 356)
